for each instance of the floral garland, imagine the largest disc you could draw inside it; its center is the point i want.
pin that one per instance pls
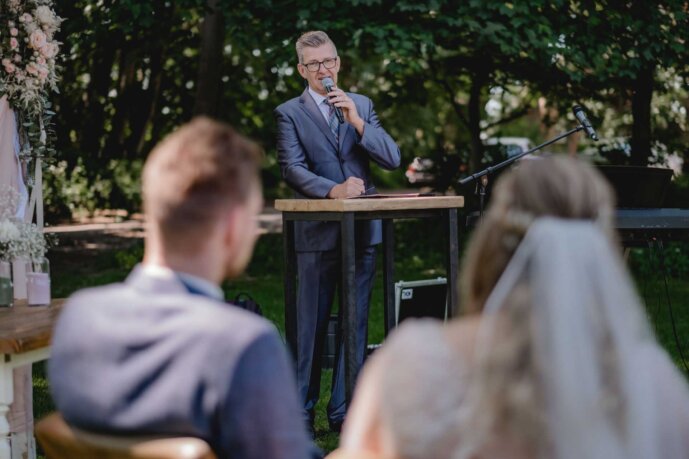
(29, 71)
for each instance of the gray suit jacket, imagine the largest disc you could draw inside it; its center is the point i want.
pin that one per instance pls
(147, 357)
(312, 162)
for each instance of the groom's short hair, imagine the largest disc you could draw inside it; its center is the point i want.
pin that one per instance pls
(194, 176)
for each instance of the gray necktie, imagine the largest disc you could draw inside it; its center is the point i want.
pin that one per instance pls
(333, 123)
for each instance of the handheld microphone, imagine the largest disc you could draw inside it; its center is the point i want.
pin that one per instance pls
(329, 84)
(581, 117)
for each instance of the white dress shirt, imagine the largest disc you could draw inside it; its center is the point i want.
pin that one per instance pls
(324, 108)
(202, 285)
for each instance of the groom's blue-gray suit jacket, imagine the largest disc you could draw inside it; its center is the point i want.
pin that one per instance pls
(149, 357)
(313, 161)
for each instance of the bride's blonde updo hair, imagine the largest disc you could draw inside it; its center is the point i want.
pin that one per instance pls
(557, 186)
(504, 388)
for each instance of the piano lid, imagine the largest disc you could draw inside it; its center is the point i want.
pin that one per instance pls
(638, 187)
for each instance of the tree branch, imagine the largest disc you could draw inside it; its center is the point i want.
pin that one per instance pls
(458, 108)
(518, 113)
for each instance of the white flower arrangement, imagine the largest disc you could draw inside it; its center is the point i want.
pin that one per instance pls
(21, 241)
(28, 70)
(8, 231)
(18, 240)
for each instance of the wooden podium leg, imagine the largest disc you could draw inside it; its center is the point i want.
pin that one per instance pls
(348, 303)
(290, 279)
(389, 274)
(452, 262)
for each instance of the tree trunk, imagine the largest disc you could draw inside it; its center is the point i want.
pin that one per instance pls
(477, 83)
(208, 80)
(97, 92)
(145, 145)
(140, 120)
(126, 99)
(641, 112)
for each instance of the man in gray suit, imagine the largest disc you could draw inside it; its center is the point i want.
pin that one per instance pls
(323, 158)
(162, 353)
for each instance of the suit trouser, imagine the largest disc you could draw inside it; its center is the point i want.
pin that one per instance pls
(319, 274)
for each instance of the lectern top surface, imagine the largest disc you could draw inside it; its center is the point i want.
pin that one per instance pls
(364, 205)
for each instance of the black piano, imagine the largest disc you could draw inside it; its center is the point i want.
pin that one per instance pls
(640, 217)
(637, 227)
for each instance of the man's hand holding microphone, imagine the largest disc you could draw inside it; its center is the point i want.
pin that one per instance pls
(344, 104)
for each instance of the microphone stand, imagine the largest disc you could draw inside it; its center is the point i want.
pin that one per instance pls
(482, 184)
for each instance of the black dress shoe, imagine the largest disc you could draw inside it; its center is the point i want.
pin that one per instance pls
(336, 426)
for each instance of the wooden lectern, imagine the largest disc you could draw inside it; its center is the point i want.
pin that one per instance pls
(346, 211)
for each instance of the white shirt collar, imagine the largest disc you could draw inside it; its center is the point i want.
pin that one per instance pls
(323, 108)
(202, 285)
(316, 97)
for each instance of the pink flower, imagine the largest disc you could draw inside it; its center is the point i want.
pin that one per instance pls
(14, 44)
(50, 50)
(37, 39)
(14, 5)
(9, 67)
(14, 32)
(26, 17)
(32, 69)
(41, 60)
(42, 72)
(17, 58)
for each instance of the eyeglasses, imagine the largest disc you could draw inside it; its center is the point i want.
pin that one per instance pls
(327, 63)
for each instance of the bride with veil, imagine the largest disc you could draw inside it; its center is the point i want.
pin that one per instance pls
(554, 358)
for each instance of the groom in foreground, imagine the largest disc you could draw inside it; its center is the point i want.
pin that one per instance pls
(162, 353)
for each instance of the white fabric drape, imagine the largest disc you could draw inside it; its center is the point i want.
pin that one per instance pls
(10, 169)
(20, 416)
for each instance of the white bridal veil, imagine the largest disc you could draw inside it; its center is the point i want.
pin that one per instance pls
(595, 356)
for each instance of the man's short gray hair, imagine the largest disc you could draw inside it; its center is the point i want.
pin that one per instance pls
(312, 39)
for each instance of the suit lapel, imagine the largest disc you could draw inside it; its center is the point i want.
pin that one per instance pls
(309, 106)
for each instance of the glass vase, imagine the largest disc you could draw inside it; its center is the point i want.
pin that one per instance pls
(19, 266)
(6, 289)
(38, 282)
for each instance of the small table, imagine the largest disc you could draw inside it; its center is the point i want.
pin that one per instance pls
(346, 211)
(25, 334)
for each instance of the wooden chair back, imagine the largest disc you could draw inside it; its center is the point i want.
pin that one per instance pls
(344, 454)
(60, 441)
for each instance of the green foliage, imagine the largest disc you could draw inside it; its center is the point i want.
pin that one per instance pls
(69, 191)
(131, 72)
(671, 260)
(619, 52)
(126, 259)
(678, 194)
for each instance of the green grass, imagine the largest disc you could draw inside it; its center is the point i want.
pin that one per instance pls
(419, 255)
